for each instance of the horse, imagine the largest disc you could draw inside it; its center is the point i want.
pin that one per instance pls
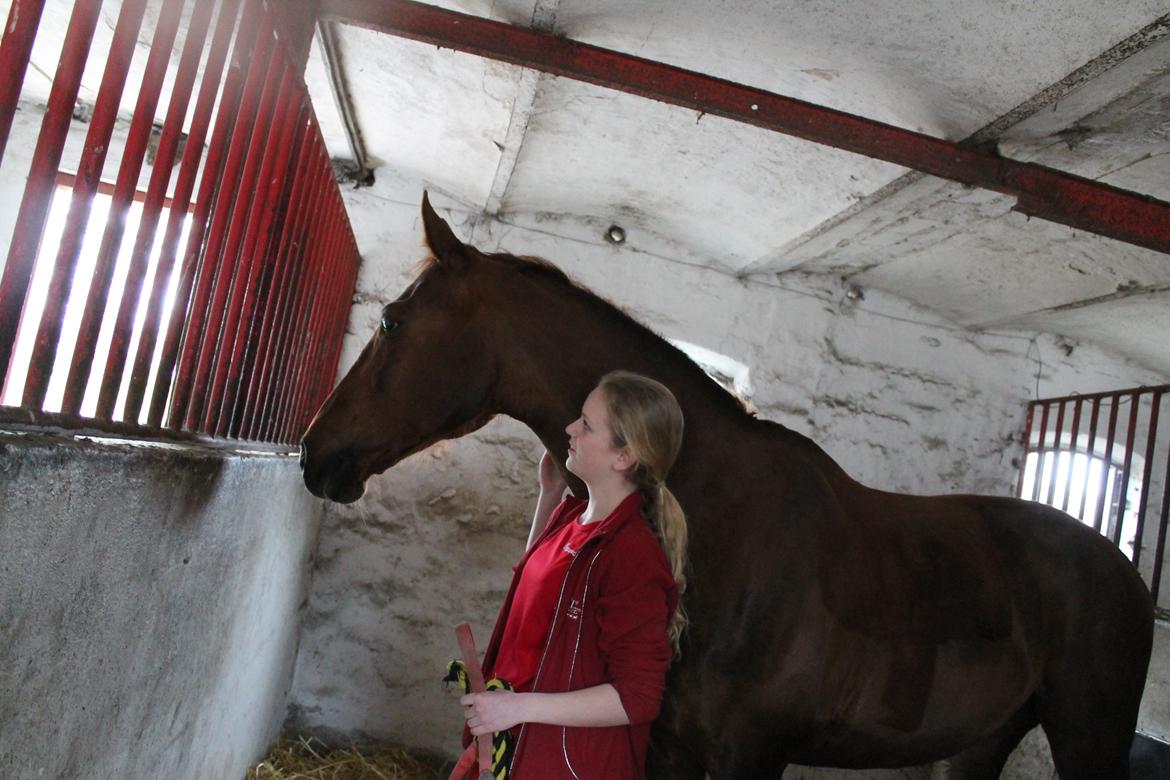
(831, 624)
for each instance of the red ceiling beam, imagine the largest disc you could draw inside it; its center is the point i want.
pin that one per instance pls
(1041, 192)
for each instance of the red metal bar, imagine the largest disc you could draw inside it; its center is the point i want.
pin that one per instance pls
(38, 191)
(305, 379)
(244, 157)
(303, 345)
(1099, 519)
(1056, 453)
(1127, 463)
(196, 262)
(297, 357)
(19, 33)
(334, 327)
(1040, 453)
(85, 183)
(1041, 192)
(287, 353)
(273, 156)
(322, 374)
(124, 187)
(1160, 549)
(308, 389)
(308, 345)
(177, 215)
(229, 295)
(259, 284)
(273, 323)
(1072, 447)
(282, 355)
(215, 266)
(295, 23)
(1027, 448)
(256, 323)
(248, 143)
(294, 298)
(1091, 449)
(1106, 394)
(344, 303)
(273, 367)
(1147, 472)
(156, 191)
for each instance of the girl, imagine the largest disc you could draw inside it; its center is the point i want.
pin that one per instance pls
(592, 617)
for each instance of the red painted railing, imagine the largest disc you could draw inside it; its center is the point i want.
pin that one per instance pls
(248, 348)
(1103, 459)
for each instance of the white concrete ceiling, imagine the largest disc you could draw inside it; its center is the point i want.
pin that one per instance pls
(1077, 85)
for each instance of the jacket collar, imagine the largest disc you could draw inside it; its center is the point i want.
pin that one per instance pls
(629, 508)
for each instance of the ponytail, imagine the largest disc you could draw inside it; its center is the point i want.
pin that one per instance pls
(645, 416)
(670, 524)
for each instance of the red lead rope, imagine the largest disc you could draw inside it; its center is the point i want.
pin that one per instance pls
(463, 767)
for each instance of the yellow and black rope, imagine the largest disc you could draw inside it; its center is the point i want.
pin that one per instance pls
(503, 745)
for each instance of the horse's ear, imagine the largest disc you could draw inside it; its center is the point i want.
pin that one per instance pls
(440, 238)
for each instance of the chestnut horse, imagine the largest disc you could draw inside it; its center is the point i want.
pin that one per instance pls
(831, 624)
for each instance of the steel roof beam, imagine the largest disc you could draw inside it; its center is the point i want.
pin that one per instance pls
(1040, 192)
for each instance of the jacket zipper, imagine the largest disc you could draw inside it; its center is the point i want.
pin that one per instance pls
(548, 643)
(573, 661)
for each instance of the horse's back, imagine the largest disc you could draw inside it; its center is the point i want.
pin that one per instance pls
(989, 551)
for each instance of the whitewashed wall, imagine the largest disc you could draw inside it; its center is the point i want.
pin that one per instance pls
(899, 397)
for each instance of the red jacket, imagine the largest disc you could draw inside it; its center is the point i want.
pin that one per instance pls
(609, 627)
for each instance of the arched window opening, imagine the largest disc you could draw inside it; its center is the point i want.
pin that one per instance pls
(1087, 487)
(1103, 459)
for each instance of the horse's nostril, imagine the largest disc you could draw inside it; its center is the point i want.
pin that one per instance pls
(304, 455)
(342, 459)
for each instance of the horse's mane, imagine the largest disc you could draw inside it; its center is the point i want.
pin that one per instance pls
(539, 267)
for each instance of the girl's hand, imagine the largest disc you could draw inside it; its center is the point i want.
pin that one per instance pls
(492, 711)
(552, 483)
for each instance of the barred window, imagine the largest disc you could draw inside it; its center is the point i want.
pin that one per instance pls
(201, 293)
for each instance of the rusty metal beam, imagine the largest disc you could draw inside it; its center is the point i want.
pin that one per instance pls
(1040, 192)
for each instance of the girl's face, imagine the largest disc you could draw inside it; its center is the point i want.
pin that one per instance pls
(592, 456)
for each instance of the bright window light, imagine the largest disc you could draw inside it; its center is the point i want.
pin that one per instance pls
(74, 309)
(1085, 486)
(730, 373)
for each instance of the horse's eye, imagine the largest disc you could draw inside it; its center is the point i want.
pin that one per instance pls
(388, 323)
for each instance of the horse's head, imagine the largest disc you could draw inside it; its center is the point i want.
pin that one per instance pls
(426, 374)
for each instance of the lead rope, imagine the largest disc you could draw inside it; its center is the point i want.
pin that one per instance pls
(494, 753)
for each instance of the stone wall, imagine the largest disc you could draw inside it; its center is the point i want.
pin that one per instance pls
(149, 607)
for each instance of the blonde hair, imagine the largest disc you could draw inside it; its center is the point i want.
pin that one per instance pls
(645, 416)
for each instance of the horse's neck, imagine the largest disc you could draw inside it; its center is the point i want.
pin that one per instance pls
(548, 370)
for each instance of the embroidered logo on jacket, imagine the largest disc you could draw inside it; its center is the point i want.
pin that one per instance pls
(574, 610)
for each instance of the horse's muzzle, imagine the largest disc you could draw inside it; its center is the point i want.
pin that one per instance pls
(332, 476)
